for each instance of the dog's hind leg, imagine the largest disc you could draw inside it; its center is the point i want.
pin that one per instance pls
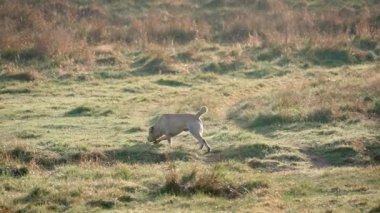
(169, 139)
(201, 140)
(207, 146)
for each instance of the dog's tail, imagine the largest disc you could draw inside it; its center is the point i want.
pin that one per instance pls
(201, 111)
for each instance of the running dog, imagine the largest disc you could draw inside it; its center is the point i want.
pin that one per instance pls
(170, 125)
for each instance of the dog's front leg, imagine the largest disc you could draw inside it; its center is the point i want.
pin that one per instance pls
(161, 138)
(169, 140)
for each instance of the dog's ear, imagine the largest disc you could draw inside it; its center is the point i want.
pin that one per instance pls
(151, 129)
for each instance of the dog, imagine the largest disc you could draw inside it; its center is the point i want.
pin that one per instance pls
(170, 125)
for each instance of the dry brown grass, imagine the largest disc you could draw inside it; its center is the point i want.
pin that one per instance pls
(161, 27)
(55, 29)
(351, 97)
(280, 25)
(67, 32)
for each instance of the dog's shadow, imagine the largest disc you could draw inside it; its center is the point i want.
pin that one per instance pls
(146, 153)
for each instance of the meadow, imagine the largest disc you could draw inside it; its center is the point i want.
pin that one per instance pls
(292, 88)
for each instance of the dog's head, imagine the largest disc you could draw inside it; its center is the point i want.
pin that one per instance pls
(152, 136)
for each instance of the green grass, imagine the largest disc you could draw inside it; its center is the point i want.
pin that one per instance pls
(81, 145)
(293, 127)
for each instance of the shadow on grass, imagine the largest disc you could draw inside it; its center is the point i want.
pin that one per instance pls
(243, 152)
(171, 83)
(150, 65)
(268, 123)
(345, 153)
(271, 131)
(137, 153)
(266, 73)
(145, 153)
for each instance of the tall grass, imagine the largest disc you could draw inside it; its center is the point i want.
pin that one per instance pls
(164, 28)
(53, 29)
(67, 31)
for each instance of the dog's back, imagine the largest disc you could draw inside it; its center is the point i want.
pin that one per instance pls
(176, 123)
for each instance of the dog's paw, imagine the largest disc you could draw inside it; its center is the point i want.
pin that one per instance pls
(208, 149)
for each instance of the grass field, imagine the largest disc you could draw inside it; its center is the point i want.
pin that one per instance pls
(81, 145)
(293, 97)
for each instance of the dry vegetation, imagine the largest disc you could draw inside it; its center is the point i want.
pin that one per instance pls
(67, 33)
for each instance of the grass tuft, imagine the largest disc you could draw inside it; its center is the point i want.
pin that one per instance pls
(21, 154)
(14, 171)
(37, 196)
(212, 183)
(124, 173)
